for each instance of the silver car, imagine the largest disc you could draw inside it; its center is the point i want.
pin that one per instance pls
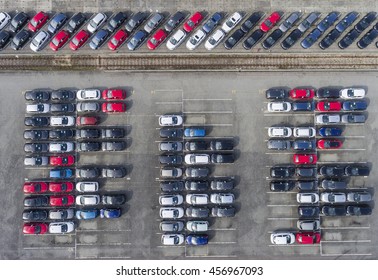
(308, 21)
(87, 107)
(61, 214)
(171, 226)
(153, 22)
(331, 197)
(290, 21)
(327, 118)
(197, 226)
(359, 197)
(39, 41)
(96, 22)
(308, 225)
(353, 118)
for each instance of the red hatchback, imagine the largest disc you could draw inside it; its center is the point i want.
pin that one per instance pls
(35, 187)
(302, 93)
(63, 160)
(38, 21)
(329, 144)
(308, 237)
(117, 40)
(270, 21)
(35, 228)
(81, 37)
(305, 158)
(87, 120)
(111, 94)
(325, 106)
(193, 22)
(62, 200)
(59, 40)
(61, 187)
(113, 107)
(156, 39)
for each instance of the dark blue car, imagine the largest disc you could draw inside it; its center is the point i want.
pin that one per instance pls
(197, 239)
(354, 105)
(346, 21)
(195, 132)
(311, 38)
(137, 40)
(330, 131)
(110, 213)
(328, 21)
(365, 21)
(212, 22)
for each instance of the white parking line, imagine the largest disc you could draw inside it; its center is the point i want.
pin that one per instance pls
(178, 90)
(333, 150)
(222, 229)
(341, 162)
(330, 255)
(337, 228)
(282, 192)
(212, 256)
(168, 102)
(209, 112)
(97, 257)
(210, 124)
(204, 99)
(48, 248)
(222, 242)
(283, 218)
(102, 230)
(346, 241)
(295, 245)
(268, 114)
(283, 205)
(280, 153)
(103, 244)
(162, 246)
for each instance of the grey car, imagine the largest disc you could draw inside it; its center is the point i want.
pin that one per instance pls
(290, 21)
(197, 212)
(306, 185)
(223, 211)
(153, 22)
(308, 21)
(137, 40)
(279, 144)
(353, 118)
(171, 226)
(359, 197)
(170, 146)
(114, 172)
(57, 22)
(197, 172)
(87, 107)
(222, 184)
(87, 172)
(99, 39)
(135, 21)
(113, 146)
(62, 108)
(174, 21)
(329, 184)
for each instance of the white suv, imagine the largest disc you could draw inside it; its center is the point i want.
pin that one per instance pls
(93, 199)
(197, 226)
(279, 106)
(282, 238)
(195, 40)
(222, 198)
(38, 108)
(279, 132)
(197, 199)
(61, 227)
(170, 120)
(61, 147)
(214, 39)
(171, 212)
(176, 39)
(307, 198)
(304, 132)
(231, 22)
(327, 118)
(87, 186)
(171, 199)
(197, 159)
(62, 121)
(172, 239)
(96, 22)
(88, 94)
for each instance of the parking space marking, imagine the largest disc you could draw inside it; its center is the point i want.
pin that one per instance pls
(282, 219)
(48, 248)
(341, 162)
(346, 241)
(208, 124)
(207, 99)
(221, 242)
(209, 112)
(103, 244)
(96, 257)
(222, 229)
(330, 255)
(334, 150)
(294, 245)
(268, 114)
(278, 153)
(168, 102)
(337, 228)
(102, 230)
(212, 256)
(172, 246)
(284, 205)
(281, 192)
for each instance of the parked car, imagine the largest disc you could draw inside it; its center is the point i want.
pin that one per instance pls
(368, 38)
(87, 172)
(302, 93)
(212, 22)
(99, 39)
(18, 21)
(306, 185)
(87, 214)
(171, 159)
(270, 21)
(277, 93)
(90, 199)
(116, 21)
(36, 134)
(117, 40)
(359, 197)
(170, 120)
(193, 22)
(36, 201)
(197, 239)
(36, 147)
(222, 198)
(328, 92)
(308, 21)
(61, 147)
(63, 160)
(38, 108)
(76, 22)
(196, 185)
(215, 39)
(358, 210)
(234, 39)
(39, 41)
(354, 105)
(307, 132)
(61, 134)
(327, 118)
(290, 21)
(251, 21)
(4, 38)
(303, 106)
(303, 144)
(176, 39)
(172, 239)
(171, 212)
(348, 39)
(197, 212)
(350, 93)
(195, 40)
(328, 40)
(196, 145)
(137, 40)
(37, 95)
(61, 200)
(35, 228)
(61, 187)
(174, 21)
(222, 158)
(96, 22)
(333, 197)
(136, 20)
(57, 22)
(357, 170)
(170, 146)
(155, 41)
(171, 132)
(309, 225)
(272, 39)
(62, 121)
(38, 21)
(329, 144)
(79, 40)
(223, 211)
(328, 21)
(346, 21)
(197, 172)
(365, 22)
(171, 172)
(89, 133)
(194, 132)
(308, 211)
(307, 198)
(172, 186)
(332, 184)
(231, 22)
(153, 22)
(61, 173)
(113, 107)
(113, 172)
(197, 199)
(331, 170)
(87, 186)
(171, 199)
(353, 118)
(279, 144)
(222, 184)
(87, 120)
(291, 39)
(279, 106)
(282, 238)
(281, 186)
(304, 158)
(113, 199)
(280, 132)
(197, 159)
(61, 214)
(282, 171)
(330, 210)
(197, 226)
(253, 39)
(330, 131)
(326, 106)
(113, 133)
(307, 237)
(311, 38)
(62, 108)
(20, 39)
(110, 213)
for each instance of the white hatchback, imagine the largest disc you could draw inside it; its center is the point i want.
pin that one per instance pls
(231, 22)
(96, 22)
(171, 199)
(307, 198)
(197, 199)
(61, 227)
(195, 40)
(280, 132)
(327, 118)
(304, 132)
(197, 226)
(214, 39)
(4, 19)
(171, 212)
(61, 147)
(87, 186)
(170, 120)
(279, 106)
(38, 108)
(172, 239)
(62, 121)
(350, 93)
(88, 94)
(176, 39)
(197, 159)
(93, 199)
(39, 41)
(222, 198)
(282, 238)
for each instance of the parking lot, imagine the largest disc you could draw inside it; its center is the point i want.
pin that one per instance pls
(227, 104)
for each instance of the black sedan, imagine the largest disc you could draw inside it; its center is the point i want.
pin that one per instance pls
(99, 39)
(331, 170)
(113, 146)
(219, 145)
(89, 146)
(174, 21)
(113, 133)
(36, 147)
(357, 170)
(114, 172)
(251, 21)
(135, 21)
(63, 95)
(172, 186)
(281, 186)
(75, 22)
(36, 201)
(37, 95)
(36, 134)
(277, 93)
(365, 21)
(62, 134)
(88, 133)
(328, 92)
(19, 41)
(272, 39)
(234, 39)
(18, 22)
(196, 145)
(137, 40)
(196, 185)
(329, 39)
(170, 159)
(308, 211)
(34, 215)
(37, 121)
(222, 184)
(348, 39)
(171, 132)
(329, 210)
(282, 171)
(115, 199)
(116, 21)
(291, 39)
(253, 39)
(222, 158)
(88, 172)
(368, 38)
(358, 210)
(62, 108)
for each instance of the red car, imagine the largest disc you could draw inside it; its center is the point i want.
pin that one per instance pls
(61, 187)
(59, 40)
(38, 21)
(35, 187)
(329, 144)
(35, 228)
(157, 39)
(81, 37)
(304, 158)
(308, 237)
(193, 21)
(87, 120)
(117, 40)
(110, 94)
(113, 107)
(270, 21)
(325, 106)
(301, 93)
(62, 200)
(63, 160)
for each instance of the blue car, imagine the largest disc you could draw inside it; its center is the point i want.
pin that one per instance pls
(311, 38)
(110, 213)
(61, 173)
(354, 105)
(330, 131)
(87, 214)
(328, 21)
(212, 22)
(197, 239)
(195, 132)
(346, 21)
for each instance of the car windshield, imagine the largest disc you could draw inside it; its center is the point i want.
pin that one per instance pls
(229, 23)
(306, 24)
(289, 40)
(151, 24)
(173, 41)
(153, 41)
(268, 23)
(114, 41)
(38, 160)
(55, 42)
(212, 41)
(270, 40)
(367, 40)
(193, 41)
(248, 23)
(190, 23)
(132, 23)
(232, 41)
(33, 22)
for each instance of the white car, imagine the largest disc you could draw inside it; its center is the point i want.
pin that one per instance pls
(37, 160)
(327, 118)
(39, 41)
(88, 94)
(172, 239)
(171, 212)
(304, 132)
(195, 40)
(231, 22)
(279, 132)
(61, 147)
(279, 106)
(4, 19)
(96, 22)
(332, 197)
(359, 197)
(282, 238)
(61, 227)
(38, 108)
(170, 120)
(197, 199)
(214, 39)
(61, 214)
(307, 198)
(197, 226)
(176, 39)
(351, 93)
(92, 199)
(87, 186)
(308, 225)
(222, 198)
(171, 199)
(62, 121)
(197, 159)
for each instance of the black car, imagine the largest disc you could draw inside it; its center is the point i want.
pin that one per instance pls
(20, 39)
(137, 40)
(281, 186)
(62, 134)
(303, 144)
(196, 185)
(196, 145)
(114, 199)
(305, 171)
(171, 132)
(4, 38)
(333, 184)
(251, 22)
(212, 22)
(36, 134)
(88, 133)
(253, 39)
(89, 146)
(62, 108)
(331, 170)
(99, 39)
(57, 22)
(197, 212)
(113, 146)
(37, 121)
(277, 93)
(63, 95)
(170, 159)
(172, 186)
(358, 210)
(113, 133)
(37, 95)
(116, 21)
(75, 22)
(282, 171)
(354, 105)
(368, 38)
(135, 21)
(279, 144)
(222, 158)
(222, 184)
(223, 211)
(174, 21)
(221, 145)
(36, 201)
(291, 39)
(311, 38)
(234, 39)
(329, 39)
(308, 211)
(302, 106)
(34, 215)
(197, 172)
(114, 172)
(306, 185)
(329, 210)
(346, 21)
(272, 39)
(328, 92)
(365, 21)
(348, 39)
(18, 22)
(357, 170)
(88, 172)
